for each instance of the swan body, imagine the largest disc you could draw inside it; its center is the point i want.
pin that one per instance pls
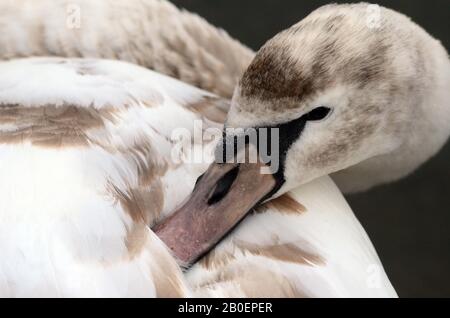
(86, 165)
(84, 173)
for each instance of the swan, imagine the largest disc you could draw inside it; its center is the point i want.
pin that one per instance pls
(87, 166)
(92, 267)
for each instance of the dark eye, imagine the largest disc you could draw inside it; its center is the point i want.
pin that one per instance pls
(318, 113)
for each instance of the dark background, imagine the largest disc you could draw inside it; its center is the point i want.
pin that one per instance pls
(408, 221)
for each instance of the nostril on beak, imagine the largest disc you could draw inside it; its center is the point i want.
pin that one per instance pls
(223, 186)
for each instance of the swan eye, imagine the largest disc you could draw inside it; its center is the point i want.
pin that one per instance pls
(318, 113)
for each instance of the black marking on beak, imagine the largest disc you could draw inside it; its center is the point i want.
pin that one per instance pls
(288, 133)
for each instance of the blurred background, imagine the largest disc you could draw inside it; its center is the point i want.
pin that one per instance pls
(408, 221)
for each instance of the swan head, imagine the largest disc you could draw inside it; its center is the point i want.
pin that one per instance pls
(335, 89)
(330, 96)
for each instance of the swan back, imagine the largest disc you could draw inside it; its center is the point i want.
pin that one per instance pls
(151, 33)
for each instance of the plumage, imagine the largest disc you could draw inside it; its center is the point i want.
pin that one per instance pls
(85, 171)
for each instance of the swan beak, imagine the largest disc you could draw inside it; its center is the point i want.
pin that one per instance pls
(220, 199)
